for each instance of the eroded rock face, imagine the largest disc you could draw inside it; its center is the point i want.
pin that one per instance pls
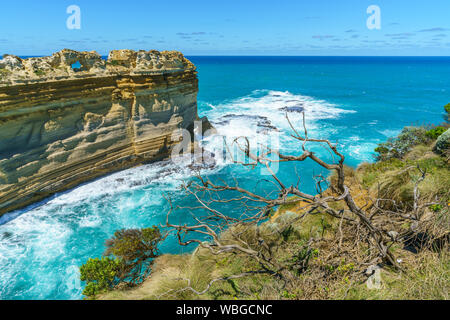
(61, 126)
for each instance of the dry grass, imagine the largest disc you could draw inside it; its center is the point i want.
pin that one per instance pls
(427, 277)
(392, 179)
(333, 273)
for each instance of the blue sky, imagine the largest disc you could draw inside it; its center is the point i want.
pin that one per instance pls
(229, 27)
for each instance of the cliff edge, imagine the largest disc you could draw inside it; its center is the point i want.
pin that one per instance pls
(71, 117)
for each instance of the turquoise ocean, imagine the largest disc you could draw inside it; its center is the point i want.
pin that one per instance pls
(355, 101)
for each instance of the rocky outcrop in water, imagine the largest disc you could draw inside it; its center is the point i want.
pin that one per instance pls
(73, 116)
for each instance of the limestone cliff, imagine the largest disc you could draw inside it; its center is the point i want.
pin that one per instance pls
(72, 116)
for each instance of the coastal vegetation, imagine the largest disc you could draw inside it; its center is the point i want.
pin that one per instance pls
(127, 260)
(378, 231)
(447, 112)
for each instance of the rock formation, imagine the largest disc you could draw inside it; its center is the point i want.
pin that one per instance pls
(70, 117)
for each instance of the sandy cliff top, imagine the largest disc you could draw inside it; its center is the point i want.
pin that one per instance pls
(60, 65)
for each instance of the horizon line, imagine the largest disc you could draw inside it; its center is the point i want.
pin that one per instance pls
(281, 56)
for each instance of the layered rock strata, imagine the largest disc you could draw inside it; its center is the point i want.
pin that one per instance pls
(73, 116)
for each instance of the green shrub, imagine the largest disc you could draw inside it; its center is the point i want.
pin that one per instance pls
(135, 247)
(127, 259)
(447, 107)
(382, 150)
(100, 275)
(435, 132)
(436, 207)
(399, 146)
(447, 110)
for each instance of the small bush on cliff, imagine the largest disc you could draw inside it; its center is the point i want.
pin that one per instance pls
(435, 132)
(100, 275)
(447, 110)
(127, 259)
(402, 144)
(136, 248)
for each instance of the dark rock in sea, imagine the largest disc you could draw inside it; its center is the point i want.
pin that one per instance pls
(264, 126)
(203, 160)
(241, 116)
(297, 109)
(206, 125)
(7, 235)
(263, 123)
(136, 183)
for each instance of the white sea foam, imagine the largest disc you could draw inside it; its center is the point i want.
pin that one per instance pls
(261, 116)
(269, 103)
(362, 151)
